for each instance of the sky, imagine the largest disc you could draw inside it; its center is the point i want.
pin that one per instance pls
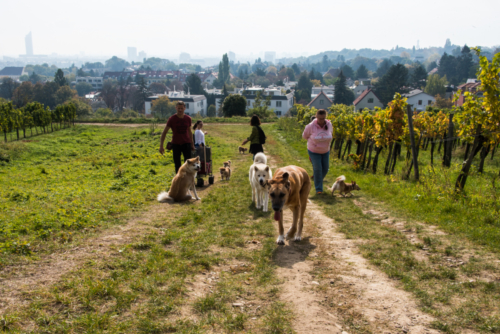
(210, 28)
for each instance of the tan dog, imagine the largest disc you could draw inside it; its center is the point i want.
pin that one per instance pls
(182, 182)
(225, 172)
(343, 187)
(289, 188)
(242, 149)
(227, 163)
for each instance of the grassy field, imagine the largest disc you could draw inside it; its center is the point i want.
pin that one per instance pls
(209, 266)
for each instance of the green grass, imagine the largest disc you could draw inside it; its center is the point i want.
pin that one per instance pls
(143, 285)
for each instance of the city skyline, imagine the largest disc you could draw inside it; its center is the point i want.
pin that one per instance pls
(291, 27)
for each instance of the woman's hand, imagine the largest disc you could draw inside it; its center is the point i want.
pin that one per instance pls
(244, 142)
(206, 132)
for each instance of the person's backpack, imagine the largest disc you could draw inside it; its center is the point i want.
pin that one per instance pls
(262, 136)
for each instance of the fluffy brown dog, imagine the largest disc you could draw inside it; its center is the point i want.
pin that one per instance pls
(343, 187)
(290, 188)
(242, 149)
(227, 163)
(182, 182)
(225, 172)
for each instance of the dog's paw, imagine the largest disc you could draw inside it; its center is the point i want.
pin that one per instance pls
(280, 240)
(297, 238)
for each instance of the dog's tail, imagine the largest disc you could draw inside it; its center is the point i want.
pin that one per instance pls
(340, 178)
(229, 163)
(336, 185)
(260, 158)
(163, 197)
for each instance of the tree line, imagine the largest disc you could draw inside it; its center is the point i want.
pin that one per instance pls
(34, 116)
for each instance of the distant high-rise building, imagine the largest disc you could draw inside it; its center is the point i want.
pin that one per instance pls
(132, 53)
(29, 44)
(231, 55)
(270, 56)
(142, 56)
(184, 58)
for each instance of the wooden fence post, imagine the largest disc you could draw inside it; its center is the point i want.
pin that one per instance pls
(412, 139)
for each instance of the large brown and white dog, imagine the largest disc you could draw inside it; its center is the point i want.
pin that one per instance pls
(182, 182)
(289, 188)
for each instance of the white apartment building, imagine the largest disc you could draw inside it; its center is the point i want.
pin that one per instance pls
(280, 101)
(194, 103)
(96, 82)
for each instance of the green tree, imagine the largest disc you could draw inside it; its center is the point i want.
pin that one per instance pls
(162, 108)
(418, 76)
(260, 106)
(193, 84)
(234, 105)
(59, 78)
(83, 88)
(296, 69)
(103, 112)
(7, 88)
(383, 68)
(23, 94)
(63, 94)
(361, 72)
(116, 64)
(394, 81)
(343, 95)
(34, 78)
(348, 71)
(211, 112)
(436, 85)
(81, 105)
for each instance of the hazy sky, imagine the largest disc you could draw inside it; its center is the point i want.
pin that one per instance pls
(210, 28)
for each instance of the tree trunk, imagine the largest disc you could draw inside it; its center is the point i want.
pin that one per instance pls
(369, 156)
(448, 145)
(440, 143)
(5, 134)
(345, 150)
(17, 132)
(340, 147)
(337, 143)
(24, 132)
(375, 159)
(462, 178)
(359, 147)
(484, 153)
(467, 151)
(349, 148)
(395, 156)
(365, 150)
(433, 146)
(388, 161)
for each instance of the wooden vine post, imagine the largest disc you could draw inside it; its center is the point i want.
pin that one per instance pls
(412, 140)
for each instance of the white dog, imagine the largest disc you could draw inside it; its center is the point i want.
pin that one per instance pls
(259, 174)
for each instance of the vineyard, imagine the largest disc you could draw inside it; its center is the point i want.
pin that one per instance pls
(33, 116)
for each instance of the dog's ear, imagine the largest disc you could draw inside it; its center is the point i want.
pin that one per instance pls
(267, 169)
(256, 168)
(288, 184)
(353, 183)
(285, 177)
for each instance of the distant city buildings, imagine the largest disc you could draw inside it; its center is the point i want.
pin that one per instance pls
(184, 58)
(96, 82)
(131, 53)
(149, 76)
(142, 56)
(231, 56)
(270, 56)
(29, 44)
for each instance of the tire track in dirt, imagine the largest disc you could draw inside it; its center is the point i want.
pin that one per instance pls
(353, 291)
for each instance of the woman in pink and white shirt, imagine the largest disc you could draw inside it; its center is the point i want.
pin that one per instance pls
(319, 134)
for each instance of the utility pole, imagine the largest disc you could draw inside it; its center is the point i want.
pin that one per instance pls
(412, 139)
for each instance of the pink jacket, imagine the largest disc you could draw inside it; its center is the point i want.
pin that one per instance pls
(318, 139)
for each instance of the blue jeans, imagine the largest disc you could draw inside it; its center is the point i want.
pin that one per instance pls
(321, 164)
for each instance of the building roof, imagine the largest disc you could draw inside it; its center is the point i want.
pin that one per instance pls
(363, 95)
(334, 72)
(321, 93)
(415, 92)
(12, 70)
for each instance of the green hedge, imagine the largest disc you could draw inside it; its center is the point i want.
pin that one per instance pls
(143, 120)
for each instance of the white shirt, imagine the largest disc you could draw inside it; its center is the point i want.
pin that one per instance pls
(199, 137)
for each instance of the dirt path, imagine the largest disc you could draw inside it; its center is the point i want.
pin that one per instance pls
(333, 289)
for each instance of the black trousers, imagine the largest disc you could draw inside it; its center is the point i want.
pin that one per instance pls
(177, 150)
